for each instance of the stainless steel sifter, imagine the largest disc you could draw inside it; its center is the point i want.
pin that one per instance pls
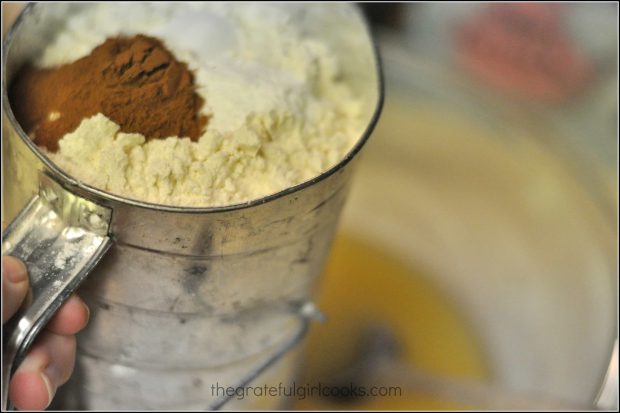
(180, 298)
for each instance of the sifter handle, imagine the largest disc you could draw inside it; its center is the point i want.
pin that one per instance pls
(60, 237)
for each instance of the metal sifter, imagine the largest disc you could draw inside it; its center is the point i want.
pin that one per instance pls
(180, 298)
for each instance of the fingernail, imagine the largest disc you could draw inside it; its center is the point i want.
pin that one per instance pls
(50, 389)
(14, 269)
(87, 311)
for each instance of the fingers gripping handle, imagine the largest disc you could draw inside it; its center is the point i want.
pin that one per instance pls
(60, 237)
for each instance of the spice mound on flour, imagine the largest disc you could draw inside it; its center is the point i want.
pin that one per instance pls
(134, 81)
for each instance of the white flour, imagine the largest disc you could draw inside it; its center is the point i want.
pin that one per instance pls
(279, 113)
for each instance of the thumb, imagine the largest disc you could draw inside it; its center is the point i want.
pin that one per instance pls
(14, 286)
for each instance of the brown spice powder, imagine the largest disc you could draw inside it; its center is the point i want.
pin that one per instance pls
(136, 82)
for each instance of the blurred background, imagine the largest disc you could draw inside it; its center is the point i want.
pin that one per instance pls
(476, 262)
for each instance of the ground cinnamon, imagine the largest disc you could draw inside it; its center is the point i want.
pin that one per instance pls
(136, 82)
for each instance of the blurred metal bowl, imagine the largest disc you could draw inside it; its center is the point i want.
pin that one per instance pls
(513, 230)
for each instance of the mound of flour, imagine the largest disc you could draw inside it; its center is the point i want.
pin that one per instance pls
(279, 111)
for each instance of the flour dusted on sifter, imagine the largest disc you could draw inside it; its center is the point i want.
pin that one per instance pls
(279, 112)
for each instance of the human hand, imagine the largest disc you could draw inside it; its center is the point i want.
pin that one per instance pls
(50, 361)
